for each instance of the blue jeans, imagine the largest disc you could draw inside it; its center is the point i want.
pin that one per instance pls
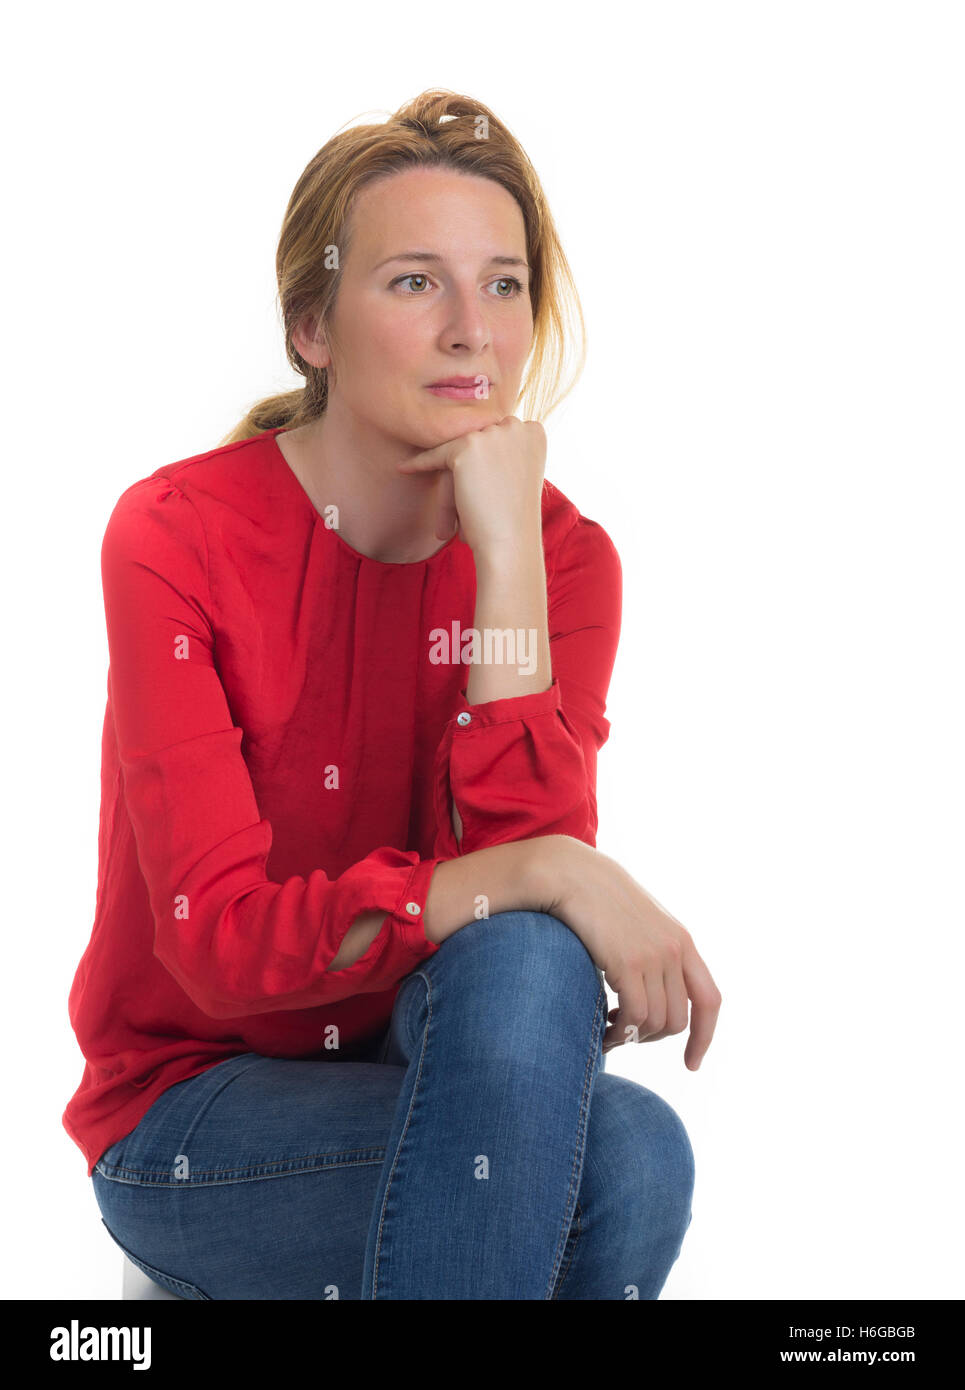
(482, 1153)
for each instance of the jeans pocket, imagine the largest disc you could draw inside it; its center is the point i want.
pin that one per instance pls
(167, 1281)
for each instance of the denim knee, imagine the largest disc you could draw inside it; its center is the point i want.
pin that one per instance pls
(522, 943)
(517, 973)
(643, 1141)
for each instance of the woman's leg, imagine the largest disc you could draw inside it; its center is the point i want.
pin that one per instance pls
(500, 1032)
(634, 1206)
(255, 1179)
(482, 1152)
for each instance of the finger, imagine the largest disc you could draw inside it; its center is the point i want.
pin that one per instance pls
(678, 1006)
(656, 1020)
(427, 461)
(706, 1006)
(447, 518)
(632, 1011)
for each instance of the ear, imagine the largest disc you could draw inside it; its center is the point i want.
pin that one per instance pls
(310, 341)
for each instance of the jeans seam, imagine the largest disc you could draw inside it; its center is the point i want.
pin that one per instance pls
(581, 1137)
(405, 1130)
(152, 1270)
(578, 1222)
(252, 1173)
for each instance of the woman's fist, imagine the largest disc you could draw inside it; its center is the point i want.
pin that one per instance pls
(492, 484)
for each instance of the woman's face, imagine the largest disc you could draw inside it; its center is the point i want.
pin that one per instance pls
(402, 322)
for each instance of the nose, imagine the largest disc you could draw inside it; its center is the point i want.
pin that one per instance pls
(467, 325)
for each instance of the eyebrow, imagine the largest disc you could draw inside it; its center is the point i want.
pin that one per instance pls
(432, 256)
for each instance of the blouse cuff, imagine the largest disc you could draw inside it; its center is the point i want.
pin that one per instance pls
(468, 716)
(410, 910)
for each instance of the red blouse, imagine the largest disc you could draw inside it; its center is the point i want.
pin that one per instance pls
(279, 754)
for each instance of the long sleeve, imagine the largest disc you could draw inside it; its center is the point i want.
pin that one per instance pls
(526, 766)
(236, 942)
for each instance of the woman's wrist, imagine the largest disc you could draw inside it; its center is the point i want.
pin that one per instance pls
(500, 878)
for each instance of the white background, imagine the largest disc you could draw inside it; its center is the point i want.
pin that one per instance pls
(763, 207)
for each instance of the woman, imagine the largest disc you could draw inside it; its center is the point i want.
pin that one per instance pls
(343, 1009)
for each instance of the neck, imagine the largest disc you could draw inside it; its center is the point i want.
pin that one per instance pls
(382, 514)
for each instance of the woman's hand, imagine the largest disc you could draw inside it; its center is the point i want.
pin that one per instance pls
(648, 959)
(492, 484)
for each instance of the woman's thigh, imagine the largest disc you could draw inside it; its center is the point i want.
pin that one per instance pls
(255, 1179)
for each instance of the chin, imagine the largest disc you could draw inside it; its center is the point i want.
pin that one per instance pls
(467, 417)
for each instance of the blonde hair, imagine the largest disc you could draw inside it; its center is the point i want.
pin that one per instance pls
(436, 129)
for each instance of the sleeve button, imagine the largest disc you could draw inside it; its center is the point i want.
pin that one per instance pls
(463, 718)
(414, 908)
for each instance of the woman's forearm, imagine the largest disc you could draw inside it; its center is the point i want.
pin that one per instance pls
(497, 879)
(511, 598)
(487, 881)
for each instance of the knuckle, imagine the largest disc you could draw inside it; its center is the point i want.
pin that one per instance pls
(644, 958)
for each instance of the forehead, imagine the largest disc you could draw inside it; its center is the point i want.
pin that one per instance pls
(452, 213)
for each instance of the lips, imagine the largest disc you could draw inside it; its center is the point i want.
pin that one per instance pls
(456, 381)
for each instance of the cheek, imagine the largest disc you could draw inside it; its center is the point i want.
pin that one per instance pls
(517, 336)
(512, 349)
(376, 339)
(393, 350)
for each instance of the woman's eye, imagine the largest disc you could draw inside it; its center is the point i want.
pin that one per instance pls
(510, 280)
(413, 276)
(504, 280)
